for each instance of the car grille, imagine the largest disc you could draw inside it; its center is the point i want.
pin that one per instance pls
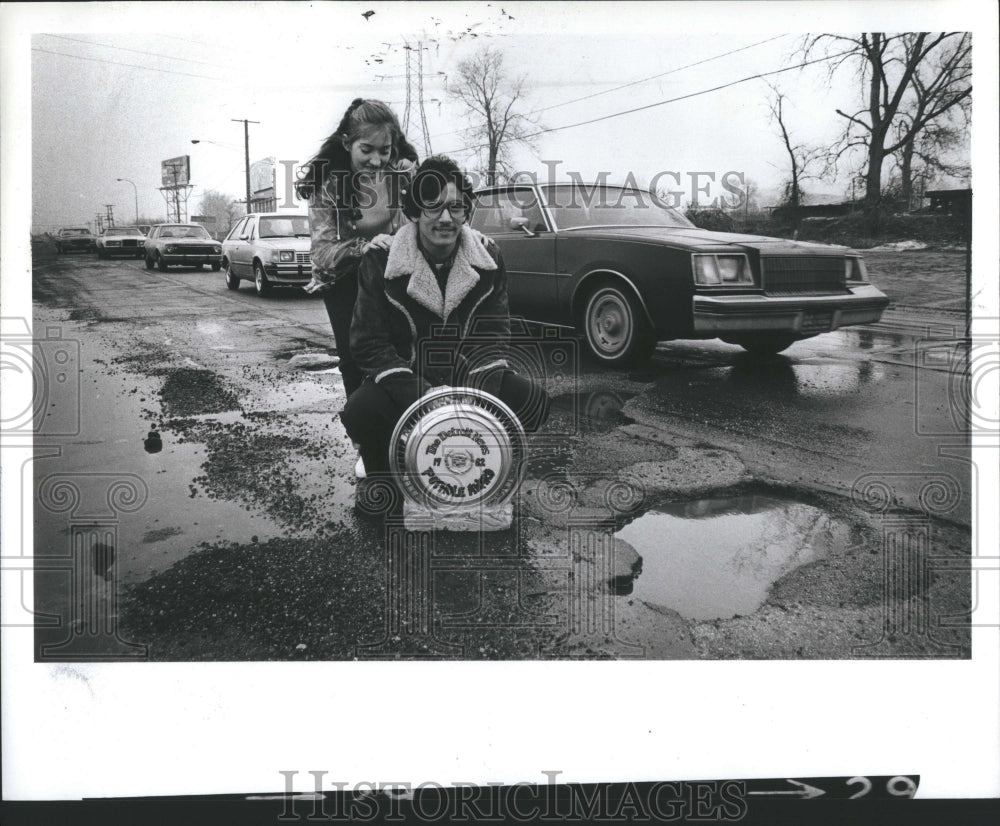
(302, 258)
(803, 275)
(194, 249)
(130, 242)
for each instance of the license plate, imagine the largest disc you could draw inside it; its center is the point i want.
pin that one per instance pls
(817, 322)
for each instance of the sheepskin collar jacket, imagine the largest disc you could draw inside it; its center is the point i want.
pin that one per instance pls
(403, 323)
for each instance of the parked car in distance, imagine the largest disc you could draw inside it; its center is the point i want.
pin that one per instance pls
(74, 238)
(626, 270)
(270, 249)
(186, 244)
(121, 241)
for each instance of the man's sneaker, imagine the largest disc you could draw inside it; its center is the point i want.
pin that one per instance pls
(359, 469)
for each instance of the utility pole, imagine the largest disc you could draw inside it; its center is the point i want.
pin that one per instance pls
(246, 150)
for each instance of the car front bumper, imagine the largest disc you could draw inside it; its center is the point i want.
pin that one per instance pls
(134, 250)
(191, 259)
(806, 315)
(288, 273)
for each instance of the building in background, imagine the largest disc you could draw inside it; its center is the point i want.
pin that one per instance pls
(263, 196)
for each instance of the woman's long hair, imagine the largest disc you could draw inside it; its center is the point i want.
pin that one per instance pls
(334, 159)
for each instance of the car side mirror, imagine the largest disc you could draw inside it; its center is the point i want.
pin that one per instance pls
(521, 223)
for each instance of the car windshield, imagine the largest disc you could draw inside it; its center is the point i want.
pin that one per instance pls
(290, 226)
(122, 231)
(184, 232)
(74, 232)
(574, 206)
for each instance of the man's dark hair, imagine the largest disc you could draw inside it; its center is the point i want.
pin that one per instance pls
(432, 176)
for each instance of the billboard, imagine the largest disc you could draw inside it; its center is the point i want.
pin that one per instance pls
(262, 175)
(176, 171)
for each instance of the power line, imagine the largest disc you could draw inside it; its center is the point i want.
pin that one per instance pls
(668, 100)
(641, 80)
(139, 51)
(129, 65)
(662, 74)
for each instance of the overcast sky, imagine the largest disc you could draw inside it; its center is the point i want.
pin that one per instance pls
(149, 78)
(117, 88)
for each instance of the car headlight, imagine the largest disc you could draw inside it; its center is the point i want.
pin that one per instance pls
(283, 256)
(216, 249)
(729, 269)
(855, 269)
(170, 248)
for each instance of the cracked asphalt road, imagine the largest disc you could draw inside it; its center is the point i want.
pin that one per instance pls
(244, 545)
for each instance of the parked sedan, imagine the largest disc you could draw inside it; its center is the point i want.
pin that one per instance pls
(270, 249)
(627, 271)
(121, 241)
(187, 244)
(74, 238)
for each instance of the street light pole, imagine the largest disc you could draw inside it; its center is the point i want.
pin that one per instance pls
(135, 192)
(246, 149)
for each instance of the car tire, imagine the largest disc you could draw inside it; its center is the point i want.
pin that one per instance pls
(615, 326)
(161, 265)
(232, 281)
(260, 279)
(149, 262)
(765, 344)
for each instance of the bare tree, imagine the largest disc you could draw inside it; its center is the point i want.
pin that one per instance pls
(889, 67)
(493, 100)
(936, 120)
(803, 160)
(223, 208)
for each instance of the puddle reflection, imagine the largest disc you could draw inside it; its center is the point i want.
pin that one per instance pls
(717, 558)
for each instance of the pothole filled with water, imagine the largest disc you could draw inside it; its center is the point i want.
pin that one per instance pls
(717, 558)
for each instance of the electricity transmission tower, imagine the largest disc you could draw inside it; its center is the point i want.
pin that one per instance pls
(409, 51)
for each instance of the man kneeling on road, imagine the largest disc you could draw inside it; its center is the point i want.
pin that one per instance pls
(437, 283)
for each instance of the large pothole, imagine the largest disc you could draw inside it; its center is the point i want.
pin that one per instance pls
(717, 558)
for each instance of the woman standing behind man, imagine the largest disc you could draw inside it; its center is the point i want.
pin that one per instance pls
(353, 187)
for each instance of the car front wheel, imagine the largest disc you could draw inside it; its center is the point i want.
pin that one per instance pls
(765, 344)
(616, 328)
(161, 265)
(260, 280)
(149, 262)
(232, 282)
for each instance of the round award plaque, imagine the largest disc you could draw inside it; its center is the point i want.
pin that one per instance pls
(458, 450)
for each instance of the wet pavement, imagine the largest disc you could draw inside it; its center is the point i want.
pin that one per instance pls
(707, 505)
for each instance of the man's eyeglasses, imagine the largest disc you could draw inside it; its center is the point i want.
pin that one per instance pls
(458, 210)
